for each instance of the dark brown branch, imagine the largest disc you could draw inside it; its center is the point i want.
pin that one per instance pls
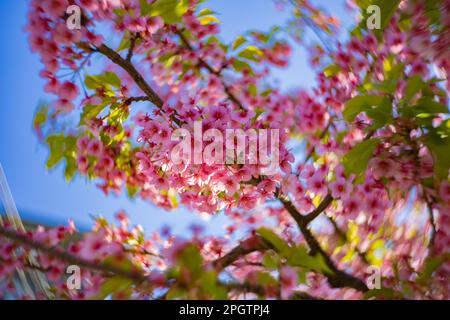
(132, 46)
(131, 70)
(244, 248)
(130, 100)
(320, 208)
(136, 276)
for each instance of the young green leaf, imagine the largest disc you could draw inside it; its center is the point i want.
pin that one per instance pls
(238, 42)
(331, 70)
(356, 160)
(413, 86)
(251, 53)
(359, 104)
(279, 244)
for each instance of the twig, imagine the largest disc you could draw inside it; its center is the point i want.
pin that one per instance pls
(433, 225)
(246, 247)
(132, 45)
(130, 100)
(320, 208)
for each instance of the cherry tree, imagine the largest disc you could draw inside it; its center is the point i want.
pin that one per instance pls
(367, 195)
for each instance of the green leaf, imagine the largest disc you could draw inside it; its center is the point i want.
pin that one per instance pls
(208, 20)
(363, 4)
(113, 285)
(385, 293)
(266, 93)
(208, 281)
(132, 191)
(388, 8)
(191, 258)
(252, 89)
(240, 65)
(40, 117)
(92, 82)
(413, 86)
(429, 105)
(270, 260)
(387, 64)
(111, 78)
(331, 70)
(170, 10)
(359, 104)
(424, 111)
(356, 160)
(56, 145)
(238, 42)
(124, 44)
(205, 12)
(117, 114)
(71, 168)
(300, 257)
(266, 279)
(266, 37)
(172, 195)
(381, 115)
(440, 149)
(62, 147)
(387, 86)
(395, 72)
(279, 244)
(431, 265)
(251, 53)
(175, 293)
(145, 7)
(91, 111)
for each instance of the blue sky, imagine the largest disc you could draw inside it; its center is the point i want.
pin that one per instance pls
(43, 195)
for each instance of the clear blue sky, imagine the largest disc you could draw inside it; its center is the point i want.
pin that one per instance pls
(45, 196)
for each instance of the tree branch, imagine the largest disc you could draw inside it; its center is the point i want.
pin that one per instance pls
(132, 45)
(130, 100)
(131, 70)
(337, 278)
(136, 276)
(244, 248)
(320, 208)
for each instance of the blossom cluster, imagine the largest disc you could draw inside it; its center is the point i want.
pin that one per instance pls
(374, 127)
